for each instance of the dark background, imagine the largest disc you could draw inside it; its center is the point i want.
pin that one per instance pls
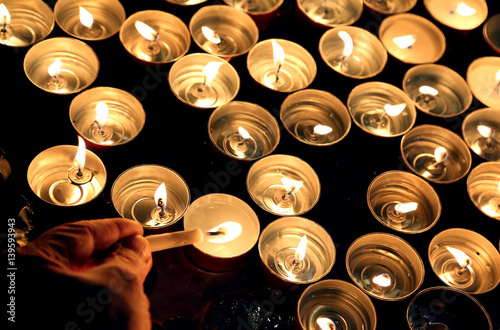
(175, 135)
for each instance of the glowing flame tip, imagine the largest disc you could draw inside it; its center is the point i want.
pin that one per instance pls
(325, 323)
(86, 17)
(464, 10)
(147, 31)
(243, 133)
(4, 15)
(79, 160)
(428, 90)
(383, 280)
(55, 68)
(348, 44)
(461, 257)
(405, 41)
(322, 129)
(211, 35)
(405, 207)
(278, 53)
(440, 154)
(161, 197)
(224, 232)
(210, 70)
(300, 253)
(394, 110)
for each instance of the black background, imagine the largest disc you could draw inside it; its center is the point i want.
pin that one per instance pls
(175, 135)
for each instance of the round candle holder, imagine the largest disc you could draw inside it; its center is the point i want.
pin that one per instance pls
(243, 130)
(30, 21)
(211, 211)
(483, 186)
(61, 65)
(412, 39)
(331, 13)
(479, 132)
(53, 176)
(122, 120)
(465, 260)
(281, 65)
(385, 266)
(353, 52)
(389, 7)
(437, 90)
(223, 31)
(155, 36)
(436, 154)
(458, 15)
(446, 308)
(278, 245)
(381, 109)
(283, 185)
(335, 302)
(403, 202)
(133, 195)
(483, 77)
(89, 20)
(491, 32)
(203, 80)
(262, 11)
(315, 117)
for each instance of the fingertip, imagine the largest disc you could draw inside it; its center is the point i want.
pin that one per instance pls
(139, 244)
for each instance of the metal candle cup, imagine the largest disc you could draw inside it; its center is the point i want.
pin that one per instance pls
(479, 131)
(446, 308)
(192, 84)
(29, 21)
(123, 119)
(281, 65)
(353, 52)
(459, 15)
(385, 266)
(61, 65)
(483, 77)
(261, 11)
(389, 7)
(331, 13)
(412, 39)
(133, 195)
(279, 242)
(54, 177)
(223, 31)
(208, 213)
(436, 154)
(283, 185)
(465, 260)
(89, 20)
(315, 117)
(155, 36)
(243, 130)
(483, 186)
(437, 90)
(403, 202)
(340, 302)
(491, 32)
(381, 109)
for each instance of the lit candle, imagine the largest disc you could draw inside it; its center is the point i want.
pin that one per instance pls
(88, 27)
(492, 206)
(150, 49)
(412, 39)
(381, 121)
(483, 77)
(79, 174)
(325, 323)
(399, 213)
(161, 213)
(24, 23)
(459, 15)
(296, 250)
(281, 65)
(433, 166)
(483, 187)
(202, 94)
(241, 144)
(346, 62)
(232, 226)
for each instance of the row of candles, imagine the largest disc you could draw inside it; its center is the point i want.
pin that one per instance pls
(293, 249)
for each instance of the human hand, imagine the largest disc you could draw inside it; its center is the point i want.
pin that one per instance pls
(86, 274)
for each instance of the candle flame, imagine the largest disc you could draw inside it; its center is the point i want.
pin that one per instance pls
(384, 280)
(210, 71)
(243, 133)
(291, 186)
(405, 41)
(279, 55)
(464, 10)
(300, 252)
(325, 323)
(428, 90)
(440, 154)
(486, 131)
(348, 44)
(405, 207)
(322, 129)
(86, 17)
(102, 111)
(147, 31)
(4, 15)
(211, 35)
(55, 69)
(462, 258)
(497, 76)
(79, 160)
(394, 110)
(161, 197)
(225, 232)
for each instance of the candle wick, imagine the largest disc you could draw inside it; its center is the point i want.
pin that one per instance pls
(216, 233)
(96, 124)
(278, 72)
(161, 205)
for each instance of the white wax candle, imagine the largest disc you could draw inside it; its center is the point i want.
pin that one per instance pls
(176, 239)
